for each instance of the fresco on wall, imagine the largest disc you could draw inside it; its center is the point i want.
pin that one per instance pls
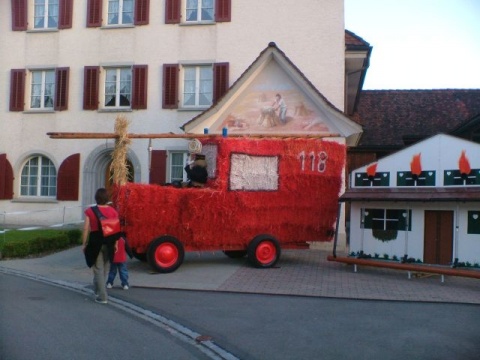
(273, 103)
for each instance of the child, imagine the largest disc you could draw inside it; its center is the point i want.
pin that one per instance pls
(119, 263)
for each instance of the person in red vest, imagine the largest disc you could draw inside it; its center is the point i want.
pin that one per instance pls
(119, 265)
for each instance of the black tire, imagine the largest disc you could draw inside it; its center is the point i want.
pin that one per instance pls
(235, 254)
(264, 251)
(139, 256)
(165, 254)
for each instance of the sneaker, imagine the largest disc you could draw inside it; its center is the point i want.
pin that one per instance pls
(109, 286)
(125, 287)
(100, 301)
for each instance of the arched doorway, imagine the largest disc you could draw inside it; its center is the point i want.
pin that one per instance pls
(96, 173)
(109, 175)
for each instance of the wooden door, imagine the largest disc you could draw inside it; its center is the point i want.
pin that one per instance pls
(109, 175)
(438, 237)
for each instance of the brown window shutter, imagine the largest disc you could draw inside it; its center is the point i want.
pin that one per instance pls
(220, 80)
(19, 15)
(142, 12)
(6, 178)
(139, 90)
(170, 86)
(223, 10)
(65, 12)
(61, 88)
(68, 178)
(172, 11)
(94, 13)
(17, 89)
(91, 75)
(158, 167)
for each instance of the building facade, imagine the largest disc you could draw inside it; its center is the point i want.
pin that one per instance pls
(75, 66)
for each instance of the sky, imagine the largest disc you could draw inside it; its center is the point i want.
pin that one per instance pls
(419, 44)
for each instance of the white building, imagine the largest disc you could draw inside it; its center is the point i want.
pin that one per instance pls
(421, 203)
(74, 66)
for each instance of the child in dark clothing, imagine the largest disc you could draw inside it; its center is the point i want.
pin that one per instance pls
(119, 263)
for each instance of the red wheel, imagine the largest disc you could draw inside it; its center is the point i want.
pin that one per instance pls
(264, 251)
(165, 254)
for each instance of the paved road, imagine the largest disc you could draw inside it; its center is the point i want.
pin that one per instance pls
(164, 324)
(44, 322)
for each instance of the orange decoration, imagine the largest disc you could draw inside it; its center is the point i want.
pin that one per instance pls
(464, 164)
(416, 165)
(372, 170)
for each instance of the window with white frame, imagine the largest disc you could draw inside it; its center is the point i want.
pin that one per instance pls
(199, 10)
(118, 87)
(42, 89)
(120, 12)
(45, 14)
(38, 178)
(197, 85)
(177, 161)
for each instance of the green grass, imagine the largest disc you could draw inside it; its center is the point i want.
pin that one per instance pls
(19, 244)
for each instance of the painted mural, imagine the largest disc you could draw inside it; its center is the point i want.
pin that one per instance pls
(273, 103)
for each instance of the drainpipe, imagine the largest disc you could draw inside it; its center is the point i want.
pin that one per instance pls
(335, 240)
(455, 241)
(407, 224)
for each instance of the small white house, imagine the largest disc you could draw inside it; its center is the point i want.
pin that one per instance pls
(421, 203)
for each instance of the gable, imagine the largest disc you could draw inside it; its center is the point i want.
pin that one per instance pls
(273, 97)
(441, 160)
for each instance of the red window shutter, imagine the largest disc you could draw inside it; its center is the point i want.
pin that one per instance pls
(158, 167)
(68, 178)
(65, 12)
(61, 88)
(19, 15)
(172, 11)
(170, 86)
(17, 89)
(91, 75)
(94, 13)
(139, 91)
(142, 12)
(223, 10)
(6, 178)
(220, 80)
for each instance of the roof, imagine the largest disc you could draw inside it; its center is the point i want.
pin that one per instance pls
(464, 194)
(388, 117)
(355, 42)
(348, 128)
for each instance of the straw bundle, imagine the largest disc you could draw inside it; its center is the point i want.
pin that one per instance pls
(118, 166)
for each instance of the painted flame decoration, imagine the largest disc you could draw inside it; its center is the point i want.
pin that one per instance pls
(372, 170)
(416, 165)
(464, 164)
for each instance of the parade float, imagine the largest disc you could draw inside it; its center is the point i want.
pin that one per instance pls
(263, 194)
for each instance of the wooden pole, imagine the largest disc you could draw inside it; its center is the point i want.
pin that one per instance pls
(86, 135)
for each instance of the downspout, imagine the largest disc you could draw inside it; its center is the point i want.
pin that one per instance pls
(455, 241)
(335, 240)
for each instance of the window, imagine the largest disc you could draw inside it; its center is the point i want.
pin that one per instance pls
(120, 12)
(254, 172)
(39, 178)
(197, 86)
(201, 85)
(43, 89)
(387, 219)
(123, 87)
(46, 14)
(118, 87)
(199, 10)
(473, 225)
(178, 159)
(48, 89)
